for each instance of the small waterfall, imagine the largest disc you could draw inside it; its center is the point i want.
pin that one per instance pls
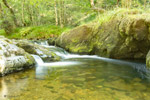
(62, 64)
(58, 51)
(38, 60)
(65, 55)
(140, 67)
(44, 43)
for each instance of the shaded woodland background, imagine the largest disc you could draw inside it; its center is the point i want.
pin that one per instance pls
(62, 13)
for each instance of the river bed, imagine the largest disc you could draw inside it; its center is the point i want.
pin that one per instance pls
(78, 77)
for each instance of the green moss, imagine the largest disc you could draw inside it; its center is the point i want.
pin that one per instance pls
(2, 32)
(30, 60)
(117, 34)
(119, 13)
(80, 49)
(55, 57)
(35, 32)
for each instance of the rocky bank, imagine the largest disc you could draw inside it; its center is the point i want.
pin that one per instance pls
(125, 35)
(16, 55)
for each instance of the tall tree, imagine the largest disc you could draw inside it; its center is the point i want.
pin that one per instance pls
(92, 3)
(118, 2)
(23, 20)
(5, 23)
(11, 11)
(1, 12)
(30, 14)
(56, 12)
(61, 13)
(126, 3)
(145, 3)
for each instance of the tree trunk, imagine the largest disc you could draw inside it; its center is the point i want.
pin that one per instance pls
(30, 15)
(65, 13)
(12, 12)
(126, 3)
(23, 20)
(6, 25)
(56, 13)
(129, 3)
(118, 2)
(144, 3)
(1, 12)
(60, 14)
(92, 3)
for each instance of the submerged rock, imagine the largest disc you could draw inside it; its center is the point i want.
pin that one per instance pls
(123, 36)
(13, 58)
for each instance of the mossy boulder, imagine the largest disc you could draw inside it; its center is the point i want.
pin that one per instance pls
(123, 36)
(77, 40)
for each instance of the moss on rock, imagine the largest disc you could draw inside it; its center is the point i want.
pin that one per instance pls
(126, 35)
(13, 58)
(77, 40)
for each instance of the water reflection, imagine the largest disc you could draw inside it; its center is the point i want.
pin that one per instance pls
(45, 69)
(12, 85)
(91, 80)
(3, 90)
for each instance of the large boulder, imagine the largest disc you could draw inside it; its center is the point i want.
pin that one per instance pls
(13, 58)
(122, 36)
(77, 40)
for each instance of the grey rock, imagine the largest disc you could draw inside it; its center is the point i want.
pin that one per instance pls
(13, 58)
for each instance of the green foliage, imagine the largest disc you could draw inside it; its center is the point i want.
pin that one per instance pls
(70, 13)
(37, 32)
(108, 3)
(120, 12)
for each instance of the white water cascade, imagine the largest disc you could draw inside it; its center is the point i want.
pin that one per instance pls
(39, 62)
(71, 60)
(65, 55)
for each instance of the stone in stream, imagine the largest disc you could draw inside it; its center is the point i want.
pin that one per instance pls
(15, 55)
(13, 58)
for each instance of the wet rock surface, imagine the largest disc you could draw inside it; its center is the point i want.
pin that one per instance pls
(13, 58)
(16, 55)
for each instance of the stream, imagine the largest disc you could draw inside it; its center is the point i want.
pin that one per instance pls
(78, 77)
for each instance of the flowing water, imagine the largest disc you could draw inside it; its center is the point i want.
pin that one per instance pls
(78, 77)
